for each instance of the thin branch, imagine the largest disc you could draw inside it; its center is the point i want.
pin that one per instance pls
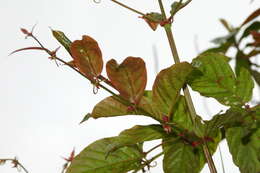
(221, 158)
(186, 91)
(16, 164)
(127, 7)
(155, 147)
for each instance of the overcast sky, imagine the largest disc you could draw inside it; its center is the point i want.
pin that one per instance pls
(42, 104)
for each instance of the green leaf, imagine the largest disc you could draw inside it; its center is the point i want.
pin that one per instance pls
(245, 84)
(244, 149)
(181, 116)
(137, 134)
(62, 39)
(155, 17)
(95, 159)
(228, 38)
(180, 157)
(86, 117)
(256, 76)
(110, 107)
(129, 78)
(175, 7)
(148, 105)
(226, 24)
(87, 56)
(220, 49)
(167, 86)
(215, 78)
(255, 26)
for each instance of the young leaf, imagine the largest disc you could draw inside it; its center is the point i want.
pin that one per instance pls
(244, 149)
(95, 159)
(153, 19)
(181, 157)
(216, 79)
(87, 56)
(252, 16)
(137, 134)
(175, 7)
(86, 117)
(129, 78)
(167, 86)
(62, 39)
(226, 24)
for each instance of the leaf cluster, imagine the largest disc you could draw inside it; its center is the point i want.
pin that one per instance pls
(182, 138)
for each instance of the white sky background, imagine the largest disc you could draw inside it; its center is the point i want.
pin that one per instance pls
(41, 104)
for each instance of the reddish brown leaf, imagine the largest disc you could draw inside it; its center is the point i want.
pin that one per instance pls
(153, 19)
(252, 16)
(87, 56)
(29, 48)
(153, 25)
(129, 78)
(255, 34)
(25, 31)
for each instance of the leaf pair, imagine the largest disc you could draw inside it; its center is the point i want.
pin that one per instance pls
(86, 54)
(156, 103)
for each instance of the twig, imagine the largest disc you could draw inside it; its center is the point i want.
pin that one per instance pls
(115, 96)
(155, 147)
(16, 164)
(127, 7)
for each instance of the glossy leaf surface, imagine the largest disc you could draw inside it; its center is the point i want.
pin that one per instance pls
(94, 158)
(129, 78)
(87, 56)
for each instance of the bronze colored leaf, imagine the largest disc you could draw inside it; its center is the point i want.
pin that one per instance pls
(153, 20)
(129, 78)
(87, 56)
(252, 16)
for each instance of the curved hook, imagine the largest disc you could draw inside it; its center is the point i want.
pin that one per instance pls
(95, 89)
